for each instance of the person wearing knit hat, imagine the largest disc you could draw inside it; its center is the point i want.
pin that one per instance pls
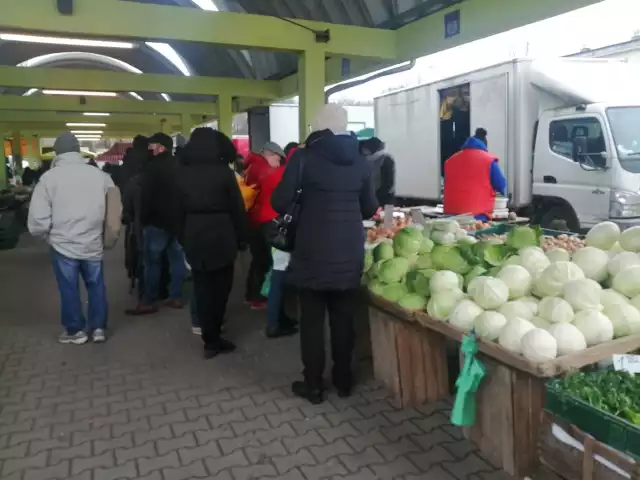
(331, 117)
(331, 181)
(76, 208)
(259, 169)
(159, 218)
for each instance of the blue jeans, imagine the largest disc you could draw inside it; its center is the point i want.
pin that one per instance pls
(156, 241)
(68, 272)
(274, 302)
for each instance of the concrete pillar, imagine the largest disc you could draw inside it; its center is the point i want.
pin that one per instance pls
(225, 115)
(311, 82)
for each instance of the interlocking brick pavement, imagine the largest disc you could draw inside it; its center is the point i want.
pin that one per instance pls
(145, 405)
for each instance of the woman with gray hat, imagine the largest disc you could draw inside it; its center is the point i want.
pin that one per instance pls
(260, 216)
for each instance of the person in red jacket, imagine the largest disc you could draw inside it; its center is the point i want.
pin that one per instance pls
(258, 173)
(472, 177)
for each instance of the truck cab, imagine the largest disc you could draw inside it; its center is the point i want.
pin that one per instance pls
(586, 165)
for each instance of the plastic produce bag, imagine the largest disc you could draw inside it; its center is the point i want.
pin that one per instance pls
(463, 413)
(266, 286)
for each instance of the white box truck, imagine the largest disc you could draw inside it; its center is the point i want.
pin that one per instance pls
(566, 133)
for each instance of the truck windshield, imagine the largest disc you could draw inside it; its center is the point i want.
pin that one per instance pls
(625, 127)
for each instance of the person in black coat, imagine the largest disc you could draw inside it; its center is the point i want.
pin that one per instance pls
(383, 170)
(214, 226)
(327, 261)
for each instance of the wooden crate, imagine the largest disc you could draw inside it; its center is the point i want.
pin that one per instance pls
(509, 403)
(572, 463)
(410, 361)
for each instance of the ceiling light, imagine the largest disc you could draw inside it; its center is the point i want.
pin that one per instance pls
(166, 97)
(76, 42)
(206, 5)
(168, 52)
(80, 93)
(80, 137)
(86, 124)
(136, 96)
(87, 132)
(30, 92)
(96, 114)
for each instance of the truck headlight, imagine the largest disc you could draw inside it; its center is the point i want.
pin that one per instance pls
(624, 204)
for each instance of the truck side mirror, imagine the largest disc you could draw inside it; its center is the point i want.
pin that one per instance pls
(579, 149)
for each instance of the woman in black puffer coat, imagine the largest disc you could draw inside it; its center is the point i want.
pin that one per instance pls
(213, 227)
(326, 264)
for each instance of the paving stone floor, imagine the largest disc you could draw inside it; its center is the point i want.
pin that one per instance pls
(145, 405)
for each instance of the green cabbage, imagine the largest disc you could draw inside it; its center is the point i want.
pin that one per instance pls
(374, 270)
(476, 271)
(394, 270)
(418, 281)
(376, 287)
(423, 261)
(407, 242)
(394, 292)
(383, 251)
(368, 260)
(448, 257)
(520, 237)
(426, 246)
(413, 302)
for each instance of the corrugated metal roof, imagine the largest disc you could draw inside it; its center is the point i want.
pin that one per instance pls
(211, 60)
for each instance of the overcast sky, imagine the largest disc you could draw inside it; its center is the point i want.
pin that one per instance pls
(605, 23)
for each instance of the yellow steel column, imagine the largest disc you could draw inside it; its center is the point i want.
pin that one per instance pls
(16, 152)
(33, 149)
(225, 115)
(311, 82)
(3, 163)
(186, 123)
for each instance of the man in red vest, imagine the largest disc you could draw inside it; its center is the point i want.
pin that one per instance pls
(472, 177)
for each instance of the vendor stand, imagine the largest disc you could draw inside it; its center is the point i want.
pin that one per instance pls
(409, 350)
(409, 356)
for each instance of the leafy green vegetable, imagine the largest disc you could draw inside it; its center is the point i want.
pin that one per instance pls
(368, 260)
(413, 302)
(476, 271)
(423, 261)
(524, 236)
(418, 281)
(393, 270)
(407, 242)
(394, 292)
(383, 251)
(617, 393)
(448, 257)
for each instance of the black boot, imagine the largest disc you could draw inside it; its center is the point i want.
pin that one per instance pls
(313, 395)
(221, 346)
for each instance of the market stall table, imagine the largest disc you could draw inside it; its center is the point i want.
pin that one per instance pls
(409, 352)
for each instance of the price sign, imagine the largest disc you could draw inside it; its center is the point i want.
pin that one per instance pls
(388, 216)
(417, 216)
(627, 363)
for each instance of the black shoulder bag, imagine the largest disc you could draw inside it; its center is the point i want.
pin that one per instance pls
(283, 228)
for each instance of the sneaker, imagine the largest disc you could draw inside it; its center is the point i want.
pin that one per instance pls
(99, 336)
(78, 338)
(258, 305)
(196, 330)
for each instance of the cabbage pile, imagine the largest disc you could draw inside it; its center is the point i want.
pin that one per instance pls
(545, 305)
(428, 268)
(541, 305)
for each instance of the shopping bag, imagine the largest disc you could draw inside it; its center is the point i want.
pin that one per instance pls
(266, 285)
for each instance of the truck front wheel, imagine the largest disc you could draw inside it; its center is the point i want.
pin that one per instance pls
(557, 215)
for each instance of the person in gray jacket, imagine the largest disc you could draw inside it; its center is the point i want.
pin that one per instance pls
(76, 208)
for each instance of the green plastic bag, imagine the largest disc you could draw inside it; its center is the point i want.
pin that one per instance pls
(463, 413)
(266, 286)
